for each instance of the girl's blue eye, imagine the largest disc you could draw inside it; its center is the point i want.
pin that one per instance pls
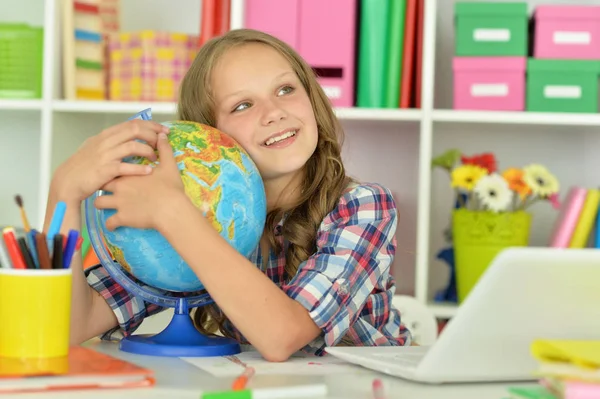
(241, 107)
(285, 90)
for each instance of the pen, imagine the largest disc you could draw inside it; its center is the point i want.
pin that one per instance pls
(305, 391)
(13, 248)
(69, 248)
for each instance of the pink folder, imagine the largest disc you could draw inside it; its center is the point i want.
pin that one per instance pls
(568, 217)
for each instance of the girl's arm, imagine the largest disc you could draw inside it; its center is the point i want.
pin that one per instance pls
(97, 162)
(90, 314)
(272, 322)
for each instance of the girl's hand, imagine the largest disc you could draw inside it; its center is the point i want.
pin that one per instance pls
(100, 159)
(139, 200)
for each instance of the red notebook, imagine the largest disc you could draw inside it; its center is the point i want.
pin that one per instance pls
(83, 368)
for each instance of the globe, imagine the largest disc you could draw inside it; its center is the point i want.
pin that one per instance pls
(222, 182)
(225, 186)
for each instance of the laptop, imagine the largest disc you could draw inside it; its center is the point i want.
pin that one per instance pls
(525, 294)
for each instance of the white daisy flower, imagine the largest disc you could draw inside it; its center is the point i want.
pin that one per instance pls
(494, 193)
(542, 182)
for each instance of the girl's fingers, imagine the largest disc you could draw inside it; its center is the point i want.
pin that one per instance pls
(113, 222)
(165, 151)
(132, 149)
(129, 169)
(105, 202)
(135, 129)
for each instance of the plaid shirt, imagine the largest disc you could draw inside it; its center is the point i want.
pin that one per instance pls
(346, 286)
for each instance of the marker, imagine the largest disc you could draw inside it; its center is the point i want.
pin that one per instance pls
(56, 223)
(42, 250)
(305, 391)
(378, 389)
(70, 248)
(13, 248)
(32, 247)
(57, 253)
(4, 259)
(25, 252)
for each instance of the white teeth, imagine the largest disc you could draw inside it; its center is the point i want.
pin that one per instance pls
(279, 138)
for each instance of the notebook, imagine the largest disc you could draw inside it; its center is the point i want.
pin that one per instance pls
(83, 368)
(568, 217)
(578, 359)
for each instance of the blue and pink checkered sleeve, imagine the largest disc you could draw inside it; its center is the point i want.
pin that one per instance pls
(129, 309)
(346, 285)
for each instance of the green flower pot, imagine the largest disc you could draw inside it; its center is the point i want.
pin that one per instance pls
(478, 237)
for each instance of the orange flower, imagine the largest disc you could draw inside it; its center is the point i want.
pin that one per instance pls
(514, 177)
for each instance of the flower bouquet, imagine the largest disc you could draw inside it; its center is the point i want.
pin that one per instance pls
(490, 210)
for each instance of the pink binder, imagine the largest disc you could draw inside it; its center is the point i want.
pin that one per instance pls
(327, 43)
(278, 18)
(568, 217)
(322, 32)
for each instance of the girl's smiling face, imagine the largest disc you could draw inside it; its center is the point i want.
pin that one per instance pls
(261, 103)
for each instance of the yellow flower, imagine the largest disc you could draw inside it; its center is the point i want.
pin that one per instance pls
(466, 176)
(514, 177)
(540, 180)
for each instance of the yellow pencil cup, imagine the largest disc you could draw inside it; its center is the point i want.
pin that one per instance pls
(478, 237)
(35, 312)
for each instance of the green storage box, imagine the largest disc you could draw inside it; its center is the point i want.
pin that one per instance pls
(21, 51)
(562, 85)
(491, 29)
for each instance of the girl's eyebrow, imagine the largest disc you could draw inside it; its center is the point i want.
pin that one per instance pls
(236, 93)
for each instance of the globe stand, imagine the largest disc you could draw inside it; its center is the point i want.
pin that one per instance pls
(181, 339)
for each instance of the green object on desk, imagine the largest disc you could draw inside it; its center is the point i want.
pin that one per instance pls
(245, 394)
(536, 392)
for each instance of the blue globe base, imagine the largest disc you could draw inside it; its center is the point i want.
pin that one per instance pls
(180, 339)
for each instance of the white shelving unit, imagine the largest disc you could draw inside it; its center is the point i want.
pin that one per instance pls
(391, 146)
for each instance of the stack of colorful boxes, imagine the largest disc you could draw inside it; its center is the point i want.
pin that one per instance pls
(149, 65)
(491, 55)
(563, 73)
(505, 62)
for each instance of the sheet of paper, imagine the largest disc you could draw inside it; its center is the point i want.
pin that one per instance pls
(298, 364)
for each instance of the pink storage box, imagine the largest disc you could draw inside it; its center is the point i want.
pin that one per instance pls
(327, 42)
(275, 18)
(571, 32)
(322, 32)
(489, 83)
(149, 65)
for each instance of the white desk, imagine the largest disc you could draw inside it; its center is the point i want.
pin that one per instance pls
(177, 379)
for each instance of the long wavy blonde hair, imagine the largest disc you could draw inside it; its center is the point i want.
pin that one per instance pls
(324, 174)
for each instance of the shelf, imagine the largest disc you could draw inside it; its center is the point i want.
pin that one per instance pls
(522, 118)
(113, 107)
(131, 107)
(443, 310)
(378, 114)
(6, 104)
